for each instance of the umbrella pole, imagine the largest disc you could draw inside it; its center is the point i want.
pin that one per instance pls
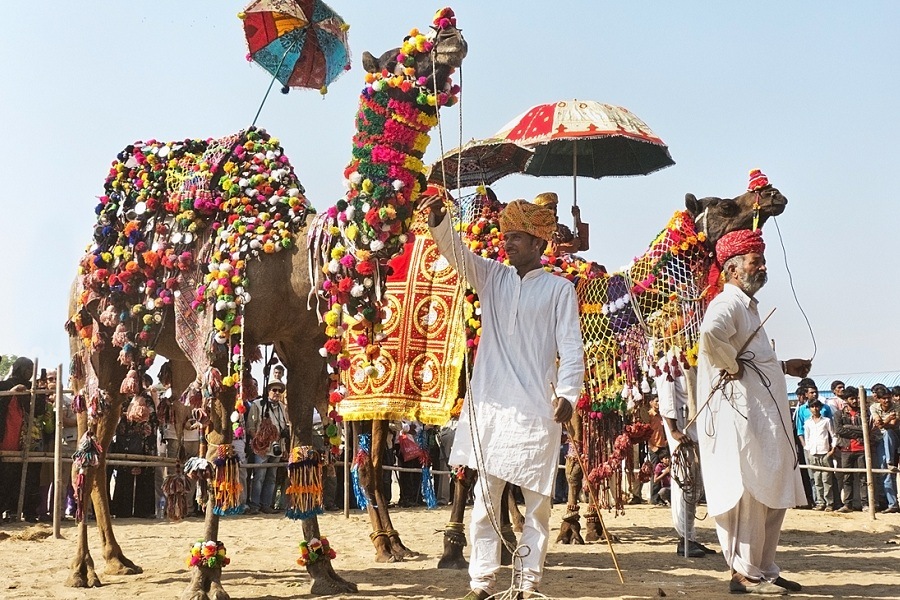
(271, 83)
(575, 172)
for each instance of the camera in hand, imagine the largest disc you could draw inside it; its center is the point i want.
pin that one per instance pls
(276, 448)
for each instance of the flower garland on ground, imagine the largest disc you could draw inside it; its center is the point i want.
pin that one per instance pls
(161, 201)
(384, 179)
(314, 550)
(209, 554)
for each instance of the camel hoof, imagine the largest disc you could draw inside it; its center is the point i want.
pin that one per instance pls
(329, 586)
(78, 580)
(121, 566)
(453, 562)
(569, 533)
(217, 592)
(385, 557)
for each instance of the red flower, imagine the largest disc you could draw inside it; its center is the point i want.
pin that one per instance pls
(365, 267)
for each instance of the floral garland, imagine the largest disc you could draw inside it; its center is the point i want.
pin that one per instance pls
(161, 200)
(384, 178)
(209, 554)
(314, 550)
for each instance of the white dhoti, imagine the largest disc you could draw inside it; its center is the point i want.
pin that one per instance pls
(749, 534)
(484, 561)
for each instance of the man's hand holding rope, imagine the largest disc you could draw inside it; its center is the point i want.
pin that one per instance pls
(435, 207)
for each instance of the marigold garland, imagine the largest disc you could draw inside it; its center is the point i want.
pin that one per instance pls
(210, 554)
(314, 550)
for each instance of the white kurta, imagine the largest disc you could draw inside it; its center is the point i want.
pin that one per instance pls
(526, 322)
(745, 431)
(673, 404)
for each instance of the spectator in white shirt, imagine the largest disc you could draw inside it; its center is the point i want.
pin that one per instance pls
(818, 434)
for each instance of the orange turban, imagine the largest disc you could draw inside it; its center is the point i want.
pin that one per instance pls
(738, 243)
(535, 220)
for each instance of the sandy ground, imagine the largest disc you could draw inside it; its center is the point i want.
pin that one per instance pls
(832, 555)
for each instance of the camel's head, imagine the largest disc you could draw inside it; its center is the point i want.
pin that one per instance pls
(718, 216)
(423, 64)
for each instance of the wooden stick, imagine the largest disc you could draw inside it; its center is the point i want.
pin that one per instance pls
(59, 491)
(864, 421)
(590, 487)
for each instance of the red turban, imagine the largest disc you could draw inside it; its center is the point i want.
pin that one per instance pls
(739, 242)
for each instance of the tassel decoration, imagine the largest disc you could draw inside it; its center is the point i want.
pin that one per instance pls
(428, 494)
(175, 490)
(304, 492)
(87, 456)
(361, 463)
(131, 384)
(226, 483)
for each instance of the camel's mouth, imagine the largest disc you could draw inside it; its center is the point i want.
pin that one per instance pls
(451, 47)
(772, 202)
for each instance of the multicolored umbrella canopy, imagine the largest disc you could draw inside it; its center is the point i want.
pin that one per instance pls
(479, 162)
(302, 43)
(587, 138)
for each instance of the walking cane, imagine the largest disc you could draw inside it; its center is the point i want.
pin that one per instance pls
(590, 488)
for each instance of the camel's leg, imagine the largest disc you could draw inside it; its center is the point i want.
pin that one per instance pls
(326, 581)
(206, 582)
(110, 374)
(371, 485)
(507, 503)
(83, 573)
(116, 562)
(570, 528)
(515, 515)
(300, 356)
(455, 534)
(379, 440)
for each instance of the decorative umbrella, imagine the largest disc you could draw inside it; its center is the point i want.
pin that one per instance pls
(582, 137)
(302, 43)
(479, 162)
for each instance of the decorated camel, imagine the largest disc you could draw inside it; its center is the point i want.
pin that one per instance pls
(186, 231)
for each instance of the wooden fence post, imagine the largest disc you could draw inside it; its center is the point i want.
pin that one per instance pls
(864, 421)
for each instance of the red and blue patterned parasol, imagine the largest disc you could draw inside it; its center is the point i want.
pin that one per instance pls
(302, 43)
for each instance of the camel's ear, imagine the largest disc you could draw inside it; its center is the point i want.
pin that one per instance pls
(370, 63)
(692, 204)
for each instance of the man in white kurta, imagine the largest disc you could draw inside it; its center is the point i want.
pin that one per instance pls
(509, 429)
(673, 408)
(746, 444)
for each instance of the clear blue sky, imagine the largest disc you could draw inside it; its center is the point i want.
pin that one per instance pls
(807, 91)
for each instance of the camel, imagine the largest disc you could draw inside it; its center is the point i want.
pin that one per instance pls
(715, 217)
(115, 337)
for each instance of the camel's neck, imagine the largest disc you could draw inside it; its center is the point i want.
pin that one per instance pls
(386, 173)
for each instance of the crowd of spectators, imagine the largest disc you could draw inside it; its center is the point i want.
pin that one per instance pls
(830, 433)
